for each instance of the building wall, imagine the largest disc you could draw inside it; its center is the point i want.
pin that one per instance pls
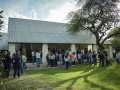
(11, 48)
(36, 46)
(60, 46)
(81, 46)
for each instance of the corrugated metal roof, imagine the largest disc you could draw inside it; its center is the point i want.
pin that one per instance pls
(34, 31)
(4, 41)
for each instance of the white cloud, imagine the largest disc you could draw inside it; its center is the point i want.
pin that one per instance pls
(9, 13)
(60, 14)
(55, 15)
(32, 14)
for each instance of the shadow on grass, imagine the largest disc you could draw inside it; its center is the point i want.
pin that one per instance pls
(83, 68)
(106, 74)
(79, 68)
(5, 79)
(53, 71)
(112, 75)
(85, 78)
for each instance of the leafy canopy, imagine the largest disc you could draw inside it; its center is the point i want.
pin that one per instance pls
(116, 39)
(96, 16)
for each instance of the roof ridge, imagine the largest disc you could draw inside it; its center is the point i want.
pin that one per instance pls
(36, 20)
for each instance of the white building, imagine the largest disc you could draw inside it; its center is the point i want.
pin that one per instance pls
(34, 34)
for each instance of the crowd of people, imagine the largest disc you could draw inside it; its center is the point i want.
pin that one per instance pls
(80, 56)
(66, 56)
(17, 62)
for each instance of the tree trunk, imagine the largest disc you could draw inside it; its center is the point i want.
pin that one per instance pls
(100, 47)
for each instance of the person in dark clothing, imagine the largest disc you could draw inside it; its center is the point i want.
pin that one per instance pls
(16, 64)
(106, 58)
(79, 57)
(6, 63)
(48, 60)
(53, 51)
(101, 58)
(94, 58)
(114, 53)
(85, 53)
(13, 61)
(63, 58)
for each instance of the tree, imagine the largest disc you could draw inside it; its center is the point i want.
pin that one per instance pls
(115, 43)
(115, 40)
(96, 16)
(1, 21)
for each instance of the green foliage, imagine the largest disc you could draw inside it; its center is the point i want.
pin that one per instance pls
(116, 43)
(96, 16)
(115, 40)
(115, 32)
(1, 21)
(81, 77)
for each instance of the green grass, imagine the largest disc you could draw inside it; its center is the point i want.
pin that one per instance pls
(80, 77)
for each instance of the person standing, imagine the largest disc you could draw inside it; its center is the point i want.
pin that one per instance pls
(38, 58)
(79, 57)
(66, 61)
(24, 60)
(63, 58)
(118, 57)
(17, 64)
(114, 53)
(13, 61)
(73, 58)
(94, 58)
(56, 58)
(52, 60)
(6, 63)
(33, 56)
(106, 58)
(48, 58)
(101, 58)
(90, 56)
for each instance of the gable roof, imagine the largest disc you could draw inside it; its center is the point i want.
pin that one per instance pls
(35, 31)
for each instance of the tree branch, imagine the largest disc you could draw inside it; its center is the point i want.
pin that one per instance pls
(111, 35)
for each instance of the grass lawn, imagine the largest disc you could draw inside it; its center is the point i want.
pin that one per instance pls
(80, 77)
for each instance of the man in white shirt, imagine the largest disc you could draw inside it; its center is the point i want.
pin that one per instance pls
(33, 56)
(38, 58)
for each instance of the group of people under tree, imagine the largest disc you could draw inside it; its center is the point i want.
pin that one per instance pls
(71, 58)
(16, 62)
(56, 54)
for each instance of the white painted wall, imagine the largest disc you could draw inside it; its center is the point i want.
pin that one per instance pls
(73, 48)
(94, 48)
(90, 47)
(11, 48)
(44, 52)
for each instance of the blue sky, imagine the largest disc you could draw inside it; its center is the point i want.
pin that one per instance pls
(47, 10)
